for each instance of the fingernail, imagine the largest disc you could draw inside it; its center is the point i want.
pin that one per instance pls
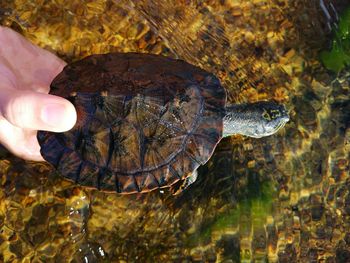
(53, 114)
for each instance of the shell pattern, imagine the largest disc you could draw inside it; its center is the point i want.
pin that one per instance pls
(144, 121)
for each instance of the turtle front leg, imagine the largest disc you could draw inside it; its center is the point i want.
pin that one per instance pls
(186, 183)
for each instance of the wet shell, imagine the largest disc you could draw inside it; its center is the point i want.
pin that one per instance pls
(144, 121)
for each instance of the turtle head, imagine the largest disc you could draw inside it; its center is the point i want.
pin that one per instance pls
(256, 119)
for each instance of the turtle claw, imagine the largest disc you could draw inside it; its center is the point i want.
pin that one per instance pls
(185, 183)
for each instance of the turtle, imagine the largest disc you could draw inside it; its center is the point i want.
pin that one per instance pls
(146, 121)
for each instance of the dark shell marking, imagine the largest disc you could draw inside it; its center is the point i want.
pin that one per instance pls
(144, 121)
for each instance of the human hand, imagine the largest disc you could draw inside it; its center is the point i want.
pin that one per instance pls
(26, 72)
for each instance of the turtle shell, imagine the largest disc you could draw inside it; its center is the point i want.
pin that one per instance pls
(144, 121)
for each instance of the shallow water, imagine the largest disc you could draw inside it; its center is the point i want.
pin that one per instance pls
(283, 198)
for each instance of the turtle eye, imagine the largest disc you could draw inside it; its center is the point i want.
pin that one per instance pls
(271, 114)
(275, 114)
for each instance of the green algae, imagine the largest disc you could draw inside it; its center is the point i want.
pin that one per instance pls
(252, 209)
(339, 55)
(256, 205)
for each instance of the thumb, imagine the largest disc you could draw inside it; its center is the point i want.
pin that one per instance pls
(37, 111)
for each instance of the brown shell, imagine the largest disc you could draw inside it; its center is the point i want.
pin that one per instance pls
(144, 121)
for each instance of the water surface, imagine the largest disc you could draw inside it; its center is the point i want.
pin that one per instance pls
(283, 198)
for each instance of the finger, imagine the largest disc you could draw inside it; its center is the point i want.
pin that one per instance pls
(22, 143)
(37, 111)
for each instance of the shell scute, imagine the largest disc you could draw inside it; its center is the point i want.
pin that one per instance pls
(70, 165)
(107, 180)
(144, 121)
(88, 175)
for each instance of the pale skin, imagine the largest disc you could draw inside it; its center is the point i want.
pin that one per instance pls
(26, 72)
